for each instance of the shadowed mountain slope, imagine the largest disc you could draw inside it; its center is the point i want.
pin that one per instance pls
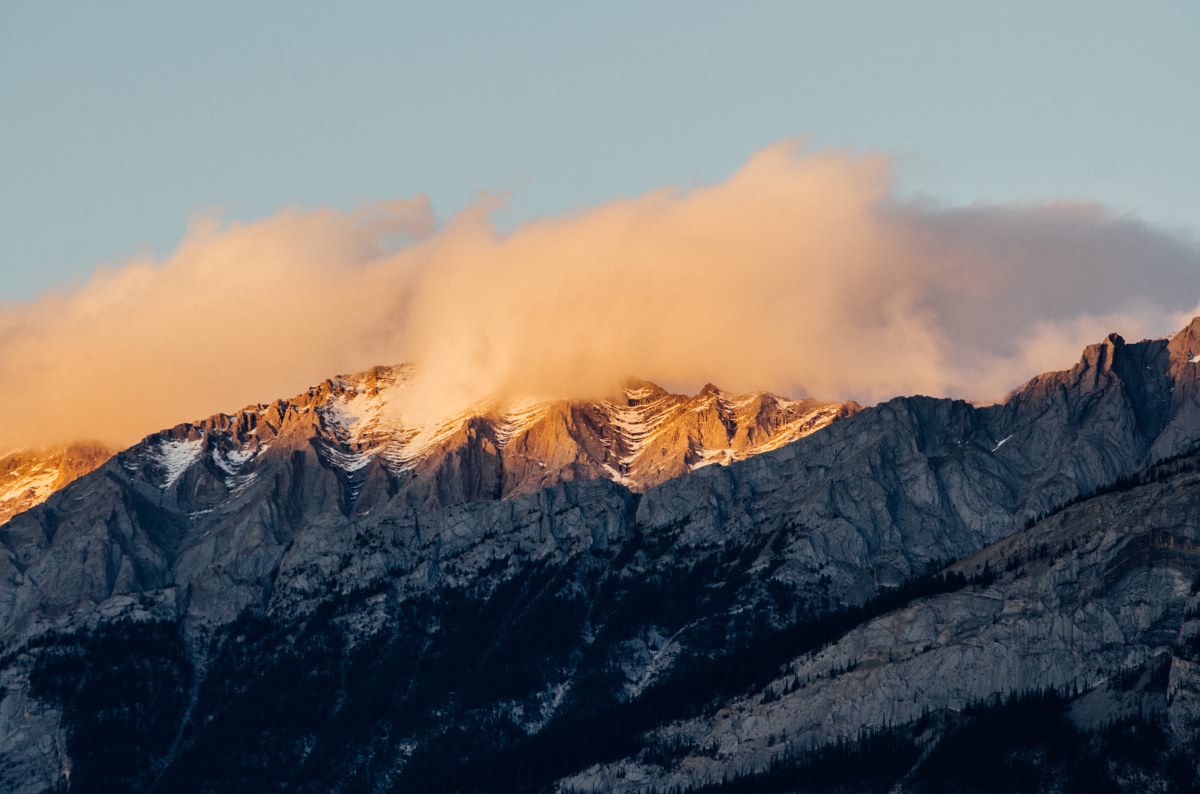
(310, 595)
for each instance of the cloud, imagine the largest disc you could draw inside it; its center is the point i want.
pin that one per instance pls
(803, 273)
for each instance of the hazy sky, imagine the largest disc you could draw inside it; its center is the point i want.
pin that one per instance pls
(120, 120)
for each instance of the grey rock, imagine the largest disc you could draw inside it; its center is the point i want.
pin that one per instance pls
(292, 510)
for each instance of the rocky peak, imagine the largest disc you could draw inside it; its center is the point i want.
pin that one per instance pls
(355, 428)
(640, 392)
(1186, 343)
(1100, 356)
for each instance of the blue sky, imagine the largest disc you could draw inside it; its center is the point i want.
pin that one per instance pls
(119, 121)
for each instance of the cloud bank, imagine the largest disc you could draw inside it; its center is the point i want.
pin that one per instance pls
(804, 274)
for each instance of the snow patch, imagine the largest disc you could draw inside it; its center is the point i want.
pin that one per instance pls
(232, 461)
(36, 483)
(417, 443)
(240, 483)
(721, 457)
(175, 457)
(364, 420)
(349, 461)
(366, 423)
(515, 418)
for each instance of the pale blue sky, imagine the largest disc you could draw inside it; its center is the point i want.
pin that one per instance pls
(120, 120)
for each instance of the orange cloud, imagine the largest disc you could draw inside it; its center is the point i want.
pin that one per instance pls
(802, 274)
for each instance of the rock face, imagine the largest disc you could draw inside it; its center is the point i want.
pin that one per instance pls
(311, 595)
(504, 449)
(28, 477)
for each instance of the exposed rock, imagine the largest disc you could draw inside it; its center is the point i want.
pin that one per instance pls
(546, 594)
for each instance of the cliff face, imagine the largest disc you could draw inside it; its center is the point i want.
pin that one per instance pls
(312, 594)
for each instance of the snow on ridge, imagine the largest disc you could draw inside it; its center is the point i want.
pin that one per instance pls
(736, 403)
(356, 414)
(364, 420)
(640, 424)
(349, 461)
(785, 404)
(797, 427)
(420, 441)
(38, 481)
(239, 483)
(516, 417)
(708, 457)
(1003, 441)
(618, 477)
(232, 462)
(175, 457)
(641, 393)
(637, 427)
(360, 420)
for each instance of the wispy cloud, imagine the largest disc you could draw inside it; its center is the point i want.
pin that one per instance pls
(803, 274)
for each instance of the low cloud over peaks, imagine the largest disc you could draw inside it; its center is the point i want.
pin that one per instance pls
(802, 274)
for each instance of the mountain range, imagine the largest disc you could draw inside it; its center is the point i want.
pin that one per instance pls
(317, 594)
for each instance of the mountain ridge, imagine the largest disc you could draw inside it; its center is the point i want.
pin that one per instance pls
(493, 449)
(434, 632)
(602, 438)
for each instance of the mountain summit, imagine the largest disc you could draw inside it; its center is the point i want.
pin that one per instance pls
(355, 430)
(356, 427)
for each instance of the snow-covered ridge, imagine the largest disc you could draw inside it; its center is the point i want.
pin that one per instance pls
(646, 437)
(28, 477)
(35, 482)
(174, 458)
(361, 429)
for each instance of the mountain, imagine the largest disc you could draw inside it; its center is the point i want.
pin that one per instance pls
(28, 477)
(311, 595)
(356, 426)
(343, 449)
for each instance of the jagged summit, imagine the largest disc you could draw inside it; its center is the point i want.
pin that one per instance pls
(357, 427)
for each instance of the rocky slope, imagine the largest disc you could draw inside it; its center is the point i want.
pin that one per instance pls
(28, 476)
(308, 596)
(1071, 605)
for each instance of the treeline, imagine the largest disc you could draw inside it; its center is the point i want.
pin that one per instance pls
(1022, 742)
(580, 737)
(1029, 742)
(1167, 467)
(870, 763)
(122, 689)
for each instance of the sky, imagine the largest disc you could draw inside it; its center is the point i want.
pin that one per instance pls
(206, 206)
(124, 121)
